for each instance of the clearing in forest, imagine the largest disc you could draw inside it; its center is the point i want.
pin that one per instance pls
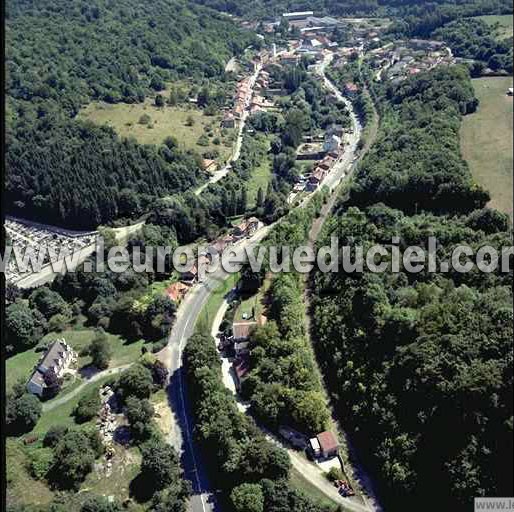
(486, 140)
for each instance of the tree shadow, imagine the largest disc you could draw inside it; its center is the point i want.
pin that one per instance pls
(141, 488)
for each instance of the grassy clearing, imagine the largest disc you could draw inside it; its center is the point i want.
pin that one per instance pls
(20, 366)
(255, 302)
(486, 140)
(22, 488)
(126, 465)
(185, 123)
(62, 415)
(300, 483)
(214, 302)
(163, 414)
(505, 23)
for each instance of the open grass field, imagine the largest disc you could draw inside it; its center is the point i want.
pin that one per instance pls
(504, 21)
(22, 489)
(126, 466)
(186, 123)
(261, 176)
(486, 140)
(63, 414)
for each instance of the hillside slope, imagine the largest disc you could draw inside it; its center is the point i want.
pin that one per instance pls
(61, 54)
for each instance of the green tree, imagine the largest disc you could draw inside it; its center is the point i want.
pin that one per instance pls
(87, 407)
(247, 498)
(136, 381)
(100, 350)
(260, 198)
(22, 412)
(159, 100)
(53, 435)
(73, 459)
(160, 464)
(140, 415)
(173, 498)
(49, 303)
(309, 411)
(22, 327)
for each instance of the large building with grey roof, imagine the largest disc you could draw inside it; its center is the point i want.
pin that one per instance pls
(58, 358)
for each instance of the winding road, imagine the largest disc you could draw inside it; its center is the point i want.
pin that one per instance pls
(181, 434)
(221, 173)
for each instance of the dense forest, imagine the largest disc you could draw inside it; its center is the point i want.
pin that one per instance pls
(474, 39)
(60, 56)
(420, 365)
(417, 14)
(251, 472)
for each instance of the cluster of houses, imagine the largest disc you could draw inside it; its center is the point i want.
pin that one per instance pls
(258, 102)
(332, 150)
(58, 359)
(249, 92)
(245, 229)
(397, 61)
(320, 171)
(242, 99)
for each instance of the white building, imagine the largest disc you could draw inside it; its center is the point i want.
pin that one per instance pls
(332, 143)
(294, 16)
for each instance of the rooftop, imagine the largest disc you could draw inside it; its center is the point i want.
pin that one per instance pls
(54, 353)
(242, 330)
(241, 367)
(327, 441)
(298, 13)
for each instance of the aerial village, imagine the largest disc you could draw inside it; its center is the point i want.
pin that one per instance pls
(255, 91)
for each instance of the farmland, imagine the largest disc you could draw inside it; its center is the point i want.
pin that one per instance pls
(486, 140)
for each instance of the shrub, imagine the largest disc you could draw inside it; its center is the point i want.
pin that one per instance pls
(144, 119)
(54, 435)
(40, 462)
(87, 407)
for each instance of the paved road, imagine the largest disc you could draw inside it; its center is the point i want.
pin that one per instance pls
(221, 173)
(181, 435)
(56, 402)
(342, 166)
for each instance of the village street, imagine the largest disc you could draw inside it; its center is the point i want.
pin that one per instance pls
(236, 151)
(181, 434)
